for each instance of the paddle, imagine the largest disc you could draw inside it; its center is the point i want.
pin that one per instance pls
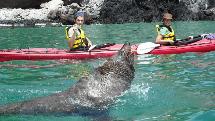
(100, 46)
(91, 47)
(146, 47)
(190, 39)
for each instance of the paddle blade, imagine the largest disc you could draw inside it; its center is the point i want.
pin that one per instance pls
(146, 47)
(92, 47)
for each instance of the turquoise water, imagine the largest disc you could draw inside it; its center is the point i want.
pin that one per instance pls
(165, 88)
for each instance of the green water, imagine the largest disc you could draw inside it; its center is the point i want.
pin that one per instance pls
(165, 88)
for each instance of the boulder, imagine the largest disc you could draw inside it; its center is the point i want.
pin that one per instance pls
(25, 4)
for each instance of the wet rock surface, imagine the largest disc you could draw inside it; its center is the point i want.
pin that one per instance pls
(103, 11)
(25, 4)
(120, 11)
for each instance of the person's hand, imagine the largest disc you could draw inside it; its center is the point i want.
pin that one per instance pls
(89, 42)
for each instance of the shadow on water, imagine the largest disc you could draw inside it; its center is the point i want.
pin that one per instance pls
(93, 114)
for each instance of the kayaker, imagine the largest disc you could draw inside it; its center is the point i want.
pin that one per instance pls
(166, 34)
(75, 35)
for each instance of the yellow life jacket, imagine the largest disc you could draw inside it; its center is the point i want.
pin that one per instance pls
(80, 37)
(170, 35)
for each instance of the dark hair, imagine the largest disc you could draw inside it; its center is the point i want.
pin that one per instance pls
(79, 13)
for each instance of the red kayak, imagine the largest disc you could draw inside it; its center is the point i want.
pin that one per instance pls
(56, 54)
(204, 45)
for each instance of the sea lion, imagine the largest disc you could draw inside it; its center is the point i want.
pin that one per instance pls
(94, 92)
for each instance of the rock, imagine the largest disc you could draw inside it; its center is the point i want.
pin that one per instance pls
(65, 14)
(120, 11)
(53, 15)
(52, 5)
(68, 2)
(107, 11)
(26, 4)
(74, 6)
(211, 3)
(32, 14)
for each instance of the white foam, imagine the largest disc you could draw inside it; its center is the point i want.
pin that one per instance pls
(140, 90)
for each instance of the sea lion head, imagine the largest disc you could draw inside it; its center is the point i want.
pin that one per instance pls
(107, 81)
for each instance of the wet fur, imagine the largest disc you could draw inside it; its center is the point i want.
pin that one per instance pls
(94, 92)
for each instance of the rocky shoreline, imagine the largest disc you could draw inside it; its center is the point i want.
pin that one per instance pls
(60, 12)
(119, 11)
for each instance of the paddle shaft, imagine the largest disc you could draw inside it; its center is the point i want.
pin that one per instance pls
(189, 40)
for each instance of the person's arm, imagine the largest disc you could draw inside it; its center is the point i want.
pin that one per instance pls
(71, 40)
(159, 40)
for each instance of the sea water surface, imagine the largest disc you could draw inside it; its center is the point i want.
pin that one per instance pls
(165, 88)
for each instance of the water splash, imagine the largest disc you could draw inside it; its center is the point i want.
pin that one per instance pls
(145, 59)
(136, 92)
(140, 90)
